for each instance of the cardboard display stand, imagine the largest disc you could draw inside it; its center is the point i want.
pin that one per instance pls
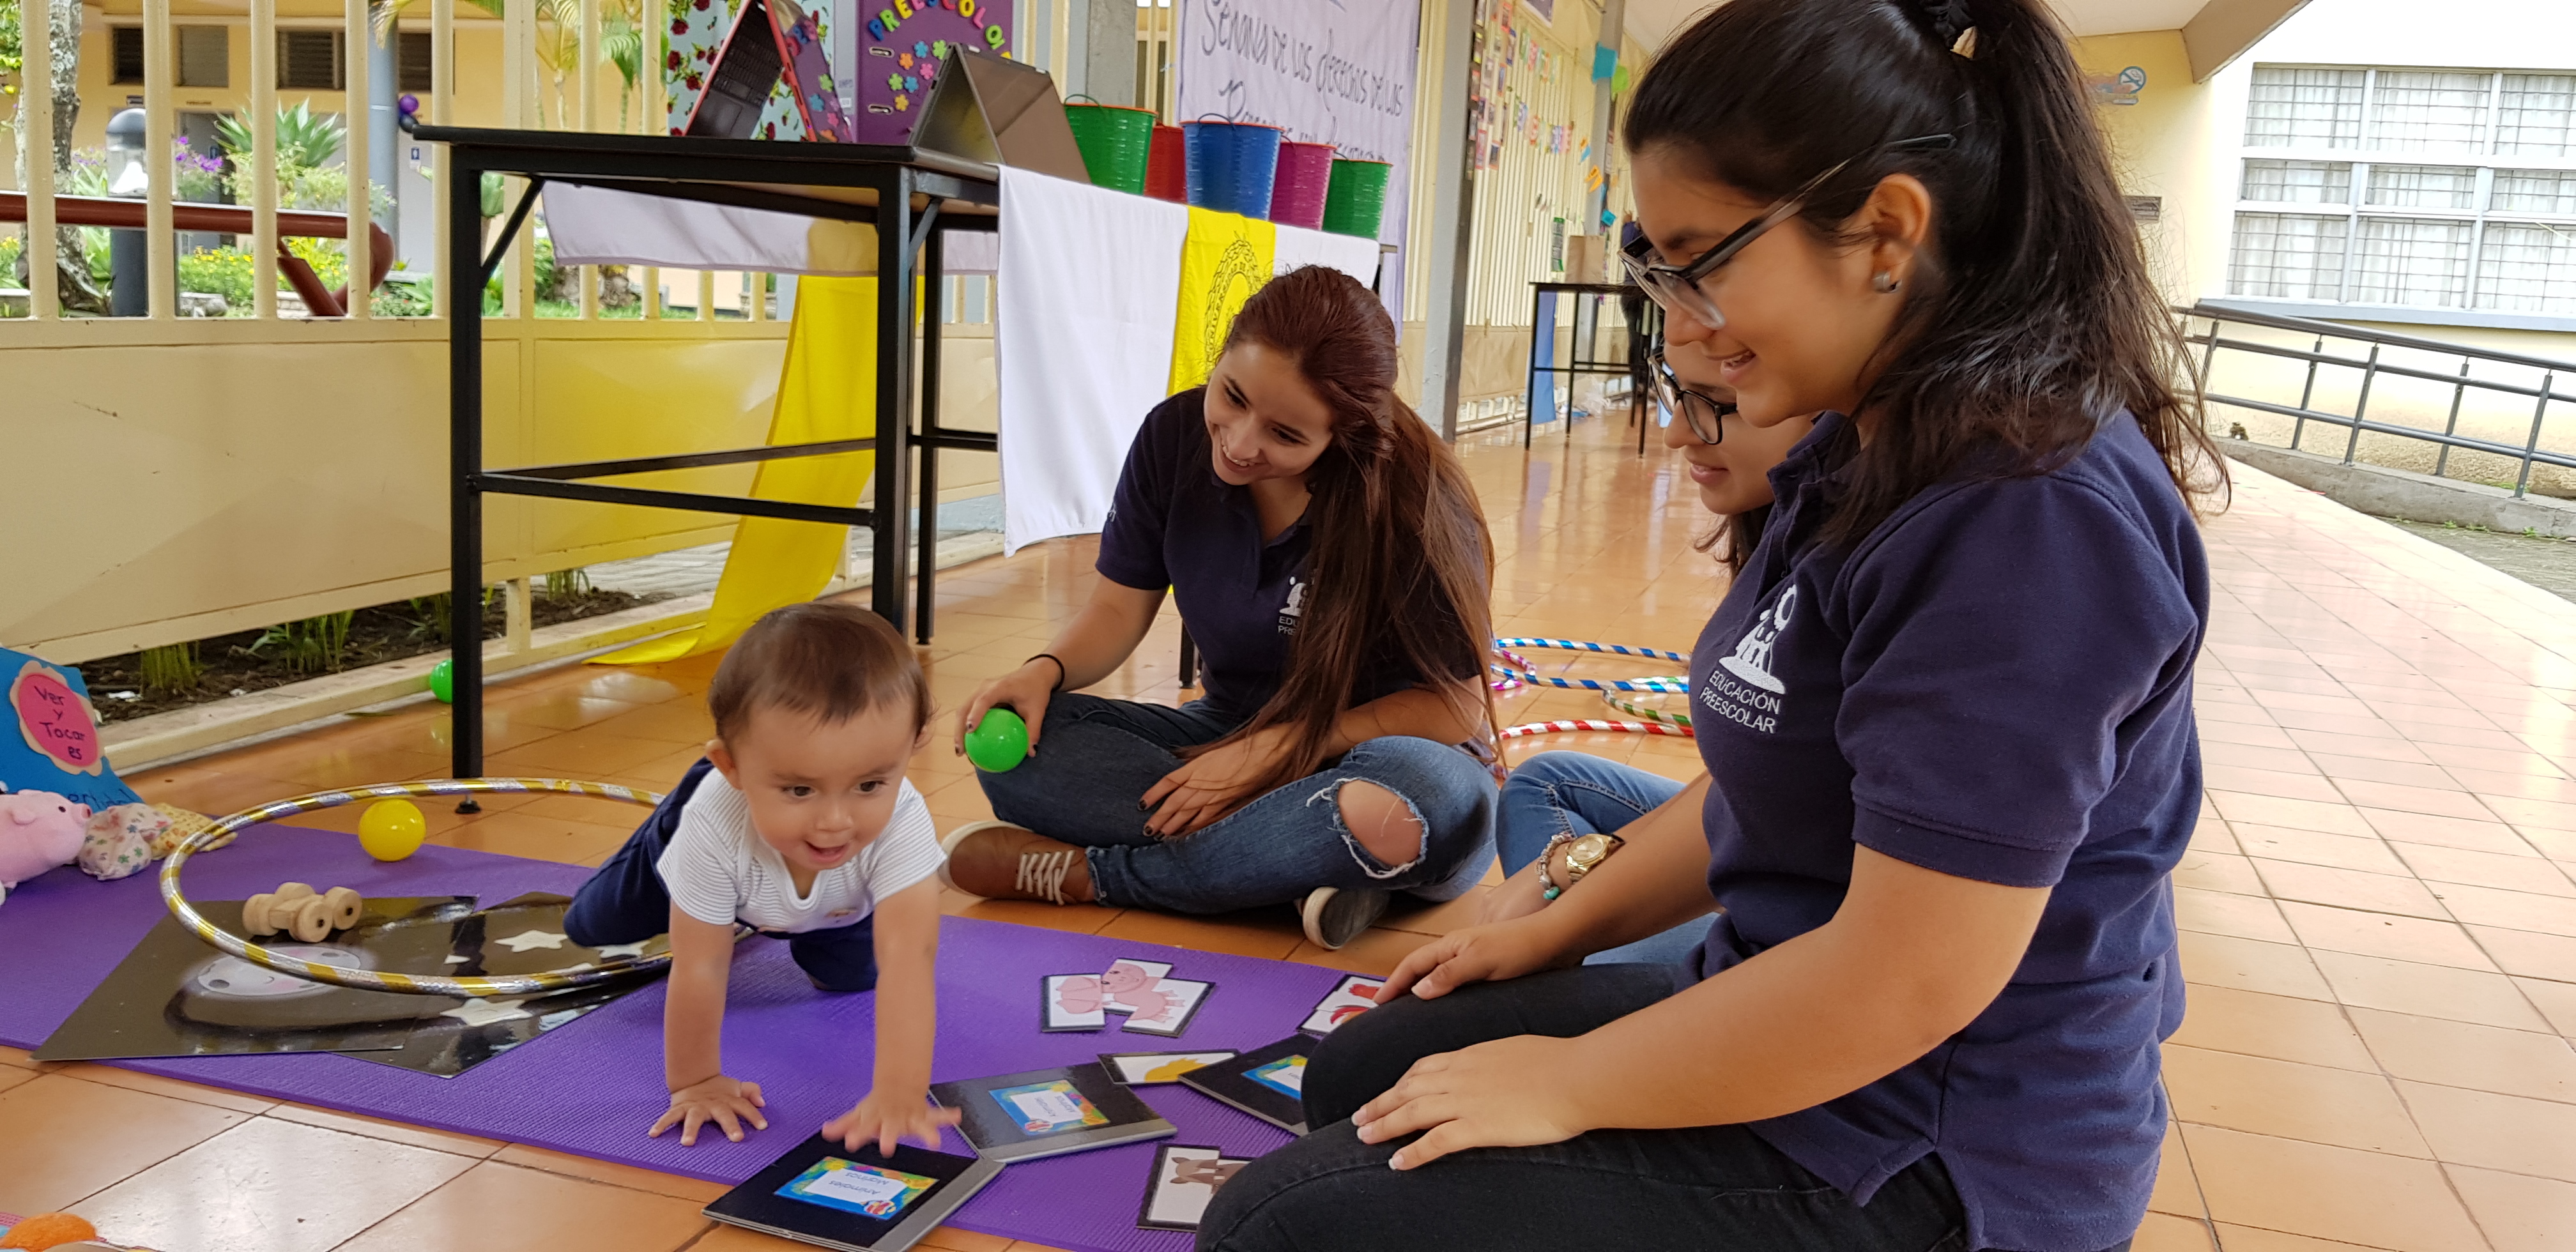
(1002, 112)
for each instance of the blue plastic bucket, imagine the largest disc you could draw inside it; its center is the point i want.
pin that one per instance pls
(1232, 166)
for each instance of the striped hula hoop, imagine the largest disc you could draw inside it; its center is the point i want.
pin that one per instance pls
(1676, 684)
(541, 983)
(1634, 709)
(1586, 645)
(1586, 724)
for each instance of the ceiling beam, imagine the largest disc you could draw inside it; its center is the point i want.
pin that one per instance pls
(2224, 29)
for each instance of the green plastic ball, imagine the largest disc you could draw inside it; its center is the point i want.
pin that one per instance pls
(442, 681)
(998, 743)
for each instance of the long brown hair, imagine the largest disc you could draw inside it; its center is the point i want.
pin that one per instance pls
(1400, 563)
(2031, 318)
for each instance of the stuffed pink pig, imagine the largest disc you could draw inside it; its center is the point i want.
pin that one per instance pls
(38, 831)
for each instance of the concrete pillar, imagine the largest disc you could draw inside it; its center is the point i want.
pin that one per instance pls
(1451, 220)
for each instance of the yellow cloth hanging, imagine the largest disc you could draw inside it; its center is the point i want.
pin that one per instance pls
(1226, 259)
(827, 390)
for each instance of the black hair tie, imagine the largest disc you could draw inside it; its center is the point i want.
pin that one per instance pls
(1949, 20)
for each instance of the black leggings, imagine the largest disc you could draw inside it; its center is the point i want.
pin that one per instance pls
(1709, 1187)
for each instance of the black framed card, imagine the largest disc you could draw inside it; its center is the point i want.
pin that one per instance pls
(1047, 1112)
(862, 1201)
(1354, 995)
(1185, 1177)
(1167, 1008)
(1267, 1082)
(1150, 1069)
(1071, 1002)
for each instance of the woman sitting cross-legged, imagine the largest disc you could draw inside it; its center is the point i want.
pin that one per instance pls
(1330, 560)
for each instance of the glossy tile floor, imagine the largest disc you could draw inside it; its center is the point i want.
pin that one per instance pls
(2380, 920)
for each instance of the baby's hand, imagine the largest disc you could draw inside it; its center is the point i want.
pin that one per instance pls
(720, 1100)
(889, 1117)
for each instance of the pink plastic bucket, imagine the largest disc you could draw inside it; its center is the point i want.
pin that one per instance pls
(1297, 194)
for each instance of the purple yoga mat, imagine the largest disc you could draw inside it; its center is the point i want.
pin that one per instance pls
(591, 1087)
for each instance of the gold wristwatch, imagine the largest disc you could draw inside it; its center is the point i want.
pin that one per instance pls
(1582, 854)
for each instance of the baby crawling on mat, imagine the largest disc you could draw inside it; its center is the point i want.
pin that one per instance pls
(799, 823)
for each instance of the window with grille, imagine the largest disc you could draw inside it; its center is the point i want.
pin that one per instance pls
(126, 51)
(309, 60)
(2418, 188)
(411, 54)
(205, 56)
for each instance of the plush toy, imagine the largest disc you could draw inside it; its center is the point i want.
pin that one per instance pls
(119, 841)
(47, 1230)
(38, 831)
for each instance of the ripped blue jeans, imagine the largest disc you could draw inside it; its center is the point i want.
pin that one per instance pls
(1097, 757)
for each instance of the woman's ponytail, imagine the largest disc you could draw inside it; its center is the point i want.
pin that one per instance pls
(2033, 317)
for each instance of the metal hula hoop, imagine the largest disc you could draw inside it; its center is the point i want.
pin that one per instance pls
(473, 988)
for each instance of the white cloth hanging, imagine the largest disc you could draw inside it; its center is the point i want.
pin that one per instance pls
(1083, 344)
(605, 226)
(1350, 254)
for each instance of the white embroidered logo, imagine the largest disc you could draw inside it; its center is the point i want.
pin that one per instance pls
(1753, 703)
(1296, 606)
(1752, 659)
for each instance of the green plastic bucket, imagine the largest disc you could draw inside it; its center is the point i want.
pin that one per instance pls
(1115, 141)
(1356, 200)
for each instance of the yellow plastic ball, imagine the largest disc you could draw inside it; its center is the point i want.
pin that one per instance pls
(392, 829)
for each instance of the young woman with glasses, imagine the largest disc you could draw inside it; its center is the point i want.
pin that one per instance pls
(1945, 712)
(1554, 799)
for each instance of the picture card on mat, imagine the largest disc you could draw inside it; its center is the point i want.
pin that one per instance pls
(1145, 1069)
(1126, 977)
(1018, 1117)
(860, 1201)
(1071, 1002)
(1357, 994)
(1185, 1178)
(1047, 1108)
(1167, 1009)
(1267, 1082)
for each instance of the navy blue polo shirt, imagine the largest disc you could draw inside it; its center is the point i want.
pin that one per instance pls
(1995, 684)
(1174, 523)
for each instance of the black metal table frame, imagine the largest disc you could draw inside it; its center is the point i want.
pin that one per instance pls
(1586, 329)
(730, 172)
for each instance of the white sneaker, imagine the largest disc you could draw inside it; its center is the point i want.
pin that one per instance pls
(1335, 916)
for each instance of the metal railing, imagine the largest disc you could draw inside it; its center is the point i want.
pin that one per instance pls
(2372, 366)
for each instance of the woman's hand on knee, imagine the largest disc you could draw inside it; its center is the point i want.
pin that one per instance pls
(1486, 953)
(1026, 690)
(1496, 1094)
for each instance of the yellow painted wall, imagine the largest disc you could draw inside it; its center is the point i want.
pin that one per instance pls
(234, 474)
(2162, 146)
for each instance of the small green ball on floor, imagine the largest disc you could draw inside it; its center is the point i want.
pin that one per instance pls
(998, 743)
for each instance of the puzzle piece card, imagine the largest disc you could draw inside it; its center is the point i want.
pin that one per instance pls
(1184, 1179)
(1071, 1002)
(1125, 977)
(1357, 994)
(1167, 1009)
(1146, 1069)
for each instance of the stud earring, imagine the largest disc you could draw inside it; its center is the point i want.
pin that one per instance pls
(1884, 283)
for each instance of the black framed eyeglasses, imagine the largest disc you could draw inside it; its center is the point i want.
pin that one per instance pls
(1705, 416)
(1677, 287)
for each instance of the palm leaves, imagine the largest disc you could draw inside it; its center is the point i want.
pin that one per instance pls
(558, 46)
